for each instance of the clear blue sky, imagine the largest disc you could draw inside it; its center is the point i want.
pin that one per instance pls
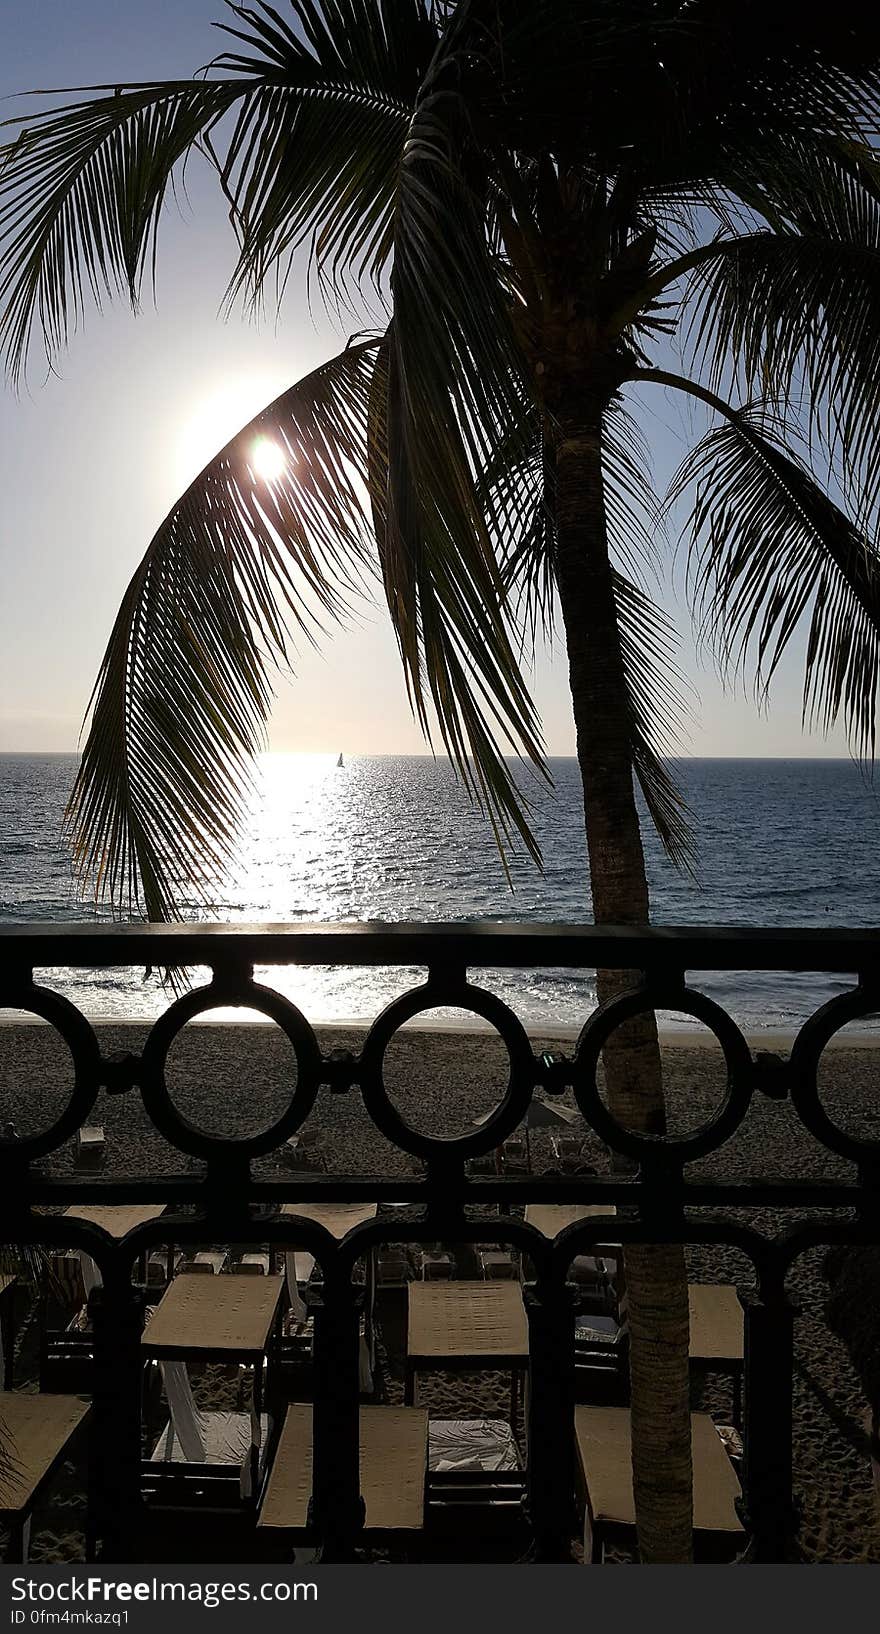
(91, 459)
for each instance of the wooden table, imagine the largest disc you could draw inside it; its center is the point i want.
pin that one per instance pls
(37, 1432)
(465, 1327)
(393, 1470)
(604, 1448)
(717, 1334)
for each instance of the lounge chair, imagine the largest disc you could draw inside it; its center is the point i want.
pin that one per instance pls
(717, 1336)
(217, 1472)
(252, 1265)
(39, 1432)
(208, 1262)
(306, 1151)
(476, 1477)
(604, 1450)
(66, 1344)
(91, 1147)
(393, 1464)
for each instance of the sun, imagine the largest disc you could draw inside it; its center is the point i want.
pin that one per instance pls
(268, 459)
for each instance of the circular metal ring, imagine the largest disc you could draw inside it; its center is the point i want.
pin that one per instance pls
(811, 1041)
(653, 1148)
(154, 1089)
(85, 1053)
(512, 1107)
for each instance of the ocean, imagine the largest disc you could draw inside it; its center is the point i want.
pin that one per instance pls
(780, 842)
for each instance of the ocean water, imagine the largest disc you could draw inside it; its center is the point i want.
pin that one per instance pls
(787, 842)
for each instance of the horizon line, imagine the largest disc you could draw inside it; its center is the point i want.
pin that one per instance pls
(425, 754)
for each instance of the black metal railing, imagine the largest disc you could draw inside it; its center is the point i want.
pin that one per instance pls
(656, 1200)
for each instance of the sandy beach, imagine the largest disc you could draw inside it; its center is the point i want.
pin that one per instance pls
(235, 1080)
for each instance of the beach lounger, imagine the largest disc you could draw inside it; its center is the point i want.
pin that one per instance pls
(66, 1346)
(253, 1265)
(497, 1264)
(434, 1263)
(604, 1451)
(219, 1476)
(394, 1266)
(208, 1262)
(39, 1432)
(91, 1147)
(230, 1320)
(476, 1478)
(306, 1151)
(393, 1465)
(466, 1327)
(717, 1335)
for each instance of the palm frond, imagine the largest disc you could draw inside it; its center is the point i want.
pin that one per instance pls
(81, 191)
(772, 554)
(183, 694)
(317, 147)
(657, 713)
(324, 105)
(449, 610)
(798, 321)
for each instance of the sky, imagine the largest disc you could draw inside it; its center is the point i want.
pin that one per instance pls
(93, 456)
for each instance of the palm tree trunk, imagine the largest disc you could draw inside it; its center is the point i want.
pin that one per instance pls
(656, 1277)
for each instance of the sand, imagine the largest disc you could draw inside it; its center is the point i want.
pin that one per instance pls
(233, 1080)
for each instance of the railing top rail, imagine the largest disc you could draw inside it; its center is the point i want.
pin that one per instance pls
(472, 943)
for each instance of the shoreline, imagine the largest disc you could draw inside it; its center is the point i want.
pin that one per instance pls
(697, 1037)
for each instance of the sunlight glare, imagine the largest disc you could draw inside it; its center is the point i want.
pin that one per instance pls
(268, 459)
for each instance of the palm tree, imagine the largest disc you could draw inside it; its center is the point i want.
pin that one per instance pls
(544, 198)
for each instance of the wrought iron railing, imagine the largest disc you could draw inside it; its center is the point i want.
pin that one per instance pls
(656, 1201)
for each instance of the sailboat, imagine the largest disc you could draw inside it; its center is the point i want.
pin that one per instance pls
(340, 762)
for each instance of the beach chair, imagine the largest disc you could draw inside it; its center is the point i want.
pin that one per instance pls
(515, 1156)
(66, 1347)
(252, 1265)
(39, 1433)
(717, 1336)
(393, 1467)
(434, 1263)
(604, 1453)
(306, 1151)
(208, 1262)
(476, 1478)
(497, 1264)
(210, 1461)
(216, 1472)
(601, 1330)
(394, 1266)
(91, 1147)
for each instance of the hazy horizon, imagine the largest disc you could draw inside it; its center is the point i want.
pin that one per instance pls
(425, 754)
